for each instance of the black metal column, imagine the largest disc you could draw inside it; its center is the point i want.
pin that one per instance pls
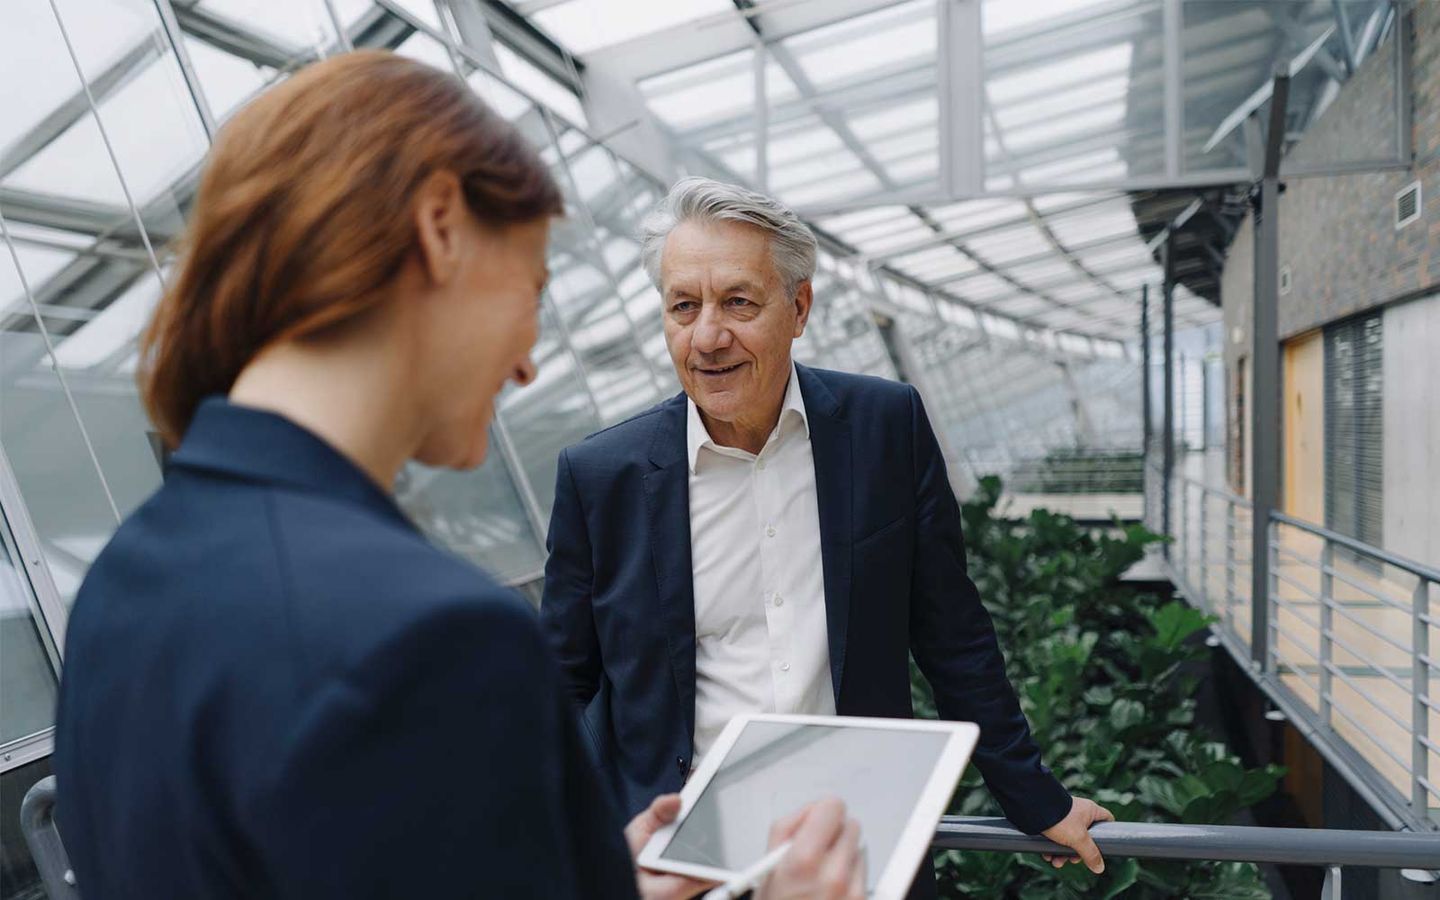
(1265, 372)
(1167, 427)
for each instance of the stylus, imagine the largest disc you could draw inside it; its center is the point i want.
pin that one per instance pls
(751, 877)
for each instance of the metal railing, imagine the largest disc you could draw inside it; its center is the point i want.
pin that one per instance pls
(1327, 848)
(1331, 849)
(1348, 631)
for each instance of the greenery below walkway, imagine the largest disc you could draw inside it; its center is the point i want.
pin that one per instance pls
(1099, 667)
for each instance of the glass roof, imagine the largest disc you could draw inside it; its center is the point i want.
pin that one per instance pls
(1075, 100)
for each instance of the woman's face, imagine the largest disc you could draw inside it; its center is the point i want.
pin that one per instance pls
(478, 328)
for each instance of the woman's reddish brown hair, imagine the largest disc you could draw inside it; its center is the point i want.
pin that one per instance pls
(304, 214)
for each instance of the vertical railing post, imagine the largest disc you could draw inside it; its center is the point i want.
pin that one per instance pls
(1145, 434)
(1230, 564)
(1420, 692)
(1204, 586)
(1271, 660)
(1327, 620)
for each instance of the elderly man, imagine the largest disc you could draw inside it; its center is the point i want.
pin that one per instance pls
(774, 539)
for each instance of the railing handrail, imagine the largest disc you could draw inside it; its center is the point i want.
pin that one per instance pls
(1415, 568)
(1225, 843)
(1223, 494)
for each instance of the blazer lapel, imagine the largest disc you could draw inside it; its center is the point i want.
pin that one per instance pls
(830, 448)
(667, 505)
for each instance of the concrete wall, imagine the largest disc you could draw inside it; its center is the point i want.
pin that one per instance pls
(1411, 422)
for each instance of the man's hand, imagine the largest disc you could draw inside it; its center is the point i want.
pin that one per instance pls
(659, 885)
(1073, 831)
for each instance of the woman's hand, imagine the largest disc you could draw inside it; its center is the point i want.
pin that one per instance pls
(659, 885)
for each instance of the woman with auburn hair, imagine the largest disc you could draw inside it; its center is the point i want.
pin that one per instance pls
(274, 686)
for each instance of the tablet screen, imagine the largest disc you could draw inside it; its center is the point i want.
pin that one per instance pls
(774, 769)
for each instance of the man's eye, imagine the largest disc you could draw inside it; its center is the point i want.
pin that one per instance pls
(683, 306)
(738, 301)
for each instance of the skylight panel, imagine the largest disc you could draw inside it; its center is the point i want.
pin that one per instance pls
(505, 100)
(803, 141)
(585, 25)
(39, 263)
(1062, 129)
(711, 91)
(426, 49)
(526, 76)
(301, 25)
(915, 168)
(850, 48)
(1043, 272)
(983, 288)
(1095, 224)
(840, 188)
(850, 224)
(113, 329)
(155, 134)
(1001, 16)
(897, 119)
(888, 237)
(976, 214)
(1025, 112)
(227, 80)
(1096, 165)
(1012, 243)
(1064, 73)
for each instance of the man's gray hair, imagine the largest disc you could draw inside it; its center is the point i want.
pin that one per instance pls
(792, 244)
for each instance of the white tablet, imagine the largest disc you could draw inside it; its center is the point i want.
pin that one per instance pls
(894, 775)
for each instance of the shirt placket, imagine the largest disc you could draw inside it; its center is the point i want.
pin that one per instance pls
(777, 613)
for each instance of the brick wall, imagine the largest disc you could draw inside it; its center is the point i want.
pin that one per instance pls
(1337, 234)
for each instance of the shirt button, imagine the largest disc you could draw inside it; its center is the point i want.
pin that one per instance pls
(760, 465)
(779, 600)
(769, 530)
(784, 667)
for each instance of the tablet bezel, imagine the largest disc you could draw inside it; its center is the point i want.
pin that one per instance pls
(915, 838)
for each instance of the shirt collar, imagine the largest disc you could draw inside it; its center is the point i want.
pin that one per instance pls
(698, 437)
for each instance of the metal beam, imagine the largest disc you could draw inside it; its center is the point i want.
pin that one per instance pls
(961, 96)
(1173, 59)
(236, 39)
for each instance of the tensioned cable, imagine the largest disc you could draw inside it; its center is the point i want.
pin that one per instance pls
(144, 239)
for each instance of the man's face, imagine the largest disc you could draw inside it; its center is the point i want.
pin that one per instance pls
(728, 321)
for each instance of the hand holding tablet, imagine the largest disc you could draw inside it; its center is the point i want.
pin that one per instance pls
(893, 776)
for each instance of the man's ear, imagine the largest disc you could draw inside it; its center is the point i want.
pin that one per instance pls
(440, 217)
(804, 299)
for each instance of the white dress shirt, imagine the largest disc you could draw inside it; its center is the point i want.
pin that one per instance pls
(760, 637)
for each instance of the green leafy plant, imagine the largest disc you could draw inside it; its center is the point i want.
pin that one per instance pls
(1100, 671)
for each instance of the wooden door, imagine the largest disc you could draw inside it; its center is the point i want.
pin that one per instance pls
(1304, 428)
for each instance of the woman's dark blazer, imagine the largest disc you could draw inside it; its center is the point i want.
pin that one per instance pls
(274, 686)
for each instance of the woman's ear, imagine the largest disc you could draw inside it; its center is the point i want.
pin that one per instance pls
(440, 219)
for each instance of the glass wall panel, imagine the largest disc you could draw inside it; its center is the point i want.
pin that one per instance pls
(479, 514)
(27, 680)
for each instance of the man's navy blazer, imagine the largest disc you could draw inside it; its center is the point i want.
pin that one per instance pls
(274, 686)
(619, 590)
